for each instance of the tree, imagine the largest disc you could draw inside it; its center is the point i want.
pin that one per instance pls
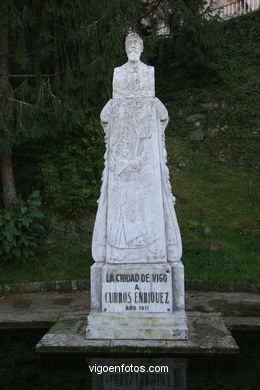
(194, 41)
(9, 192)
(56, 61)
(189, 33)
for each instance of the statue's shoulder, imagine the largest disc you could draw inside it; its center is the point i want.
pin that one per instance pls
(147, 68)
(120, 69)
(125, 67)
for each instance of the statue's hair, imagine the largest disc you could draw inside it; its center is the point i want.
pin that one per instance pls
(136, 36)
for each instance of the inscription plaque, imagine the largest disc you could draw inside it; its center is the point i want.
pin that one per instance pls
(137, 289)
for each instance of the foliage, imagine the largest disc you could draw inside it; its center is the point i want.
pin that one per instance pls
(71, 172)
(21, 228)
(55, 57)
(226, 105)
(216, 208)
(60, 55)
(189, 48)
(65, 254)
(193, 38)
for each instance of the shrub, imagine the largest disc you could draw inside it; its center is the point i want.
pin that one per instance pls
(71, 172)
(21, 228)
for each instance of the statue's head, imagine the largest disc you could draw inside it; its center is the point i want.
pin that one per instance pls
(133, 46)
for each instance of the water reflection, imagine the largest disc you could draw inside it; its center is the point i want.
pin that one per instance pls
(138, 373)
(21, 368)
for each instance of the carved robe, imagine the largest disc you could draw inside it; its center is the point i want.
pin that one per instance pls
(135, 221)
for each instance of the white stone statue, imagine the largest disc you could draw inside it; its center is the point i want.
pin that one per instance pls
(136, 221)
(137, 281)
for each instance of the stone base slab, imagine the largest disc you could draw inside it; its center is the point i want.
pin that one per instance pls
(208, 335)
(139, 326)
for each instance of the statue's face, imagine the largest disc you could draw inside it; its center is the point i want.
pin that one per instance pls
(133, 49)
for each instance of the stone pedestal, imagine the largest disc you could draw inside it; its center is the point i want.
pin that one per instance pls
(137, 326)
(137, 302)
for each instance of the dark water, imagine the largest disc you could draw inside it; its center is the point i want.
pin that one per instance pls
(22, 369)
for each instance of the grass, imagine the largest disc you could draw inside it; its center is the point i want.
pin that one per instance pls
(217, 206)
(63, 256)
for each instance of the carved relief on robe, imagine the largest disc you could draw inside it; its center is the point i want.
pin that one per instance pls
(136, 220)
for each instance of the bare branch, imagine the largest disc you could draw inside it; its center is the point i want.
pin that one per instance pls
(30, 75)
(151, 10)
(18, 101)
(92, 25)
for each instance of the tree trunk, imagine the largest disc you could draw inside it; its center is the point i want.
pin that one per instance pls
(9, 193)
(6, 166)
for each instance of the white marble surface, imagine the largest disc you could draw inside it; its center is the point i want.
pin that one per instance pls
(137, 326)
(172, 272)
(139, 289)
(136, 221)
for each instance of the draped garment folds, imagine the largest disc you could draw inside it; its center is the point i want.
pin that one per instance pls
(136, 220)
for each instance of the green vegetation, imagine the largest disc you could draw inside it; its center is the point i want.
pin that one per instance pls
(71, 178)
(217, 206)
(21, 228)
(64, 255)
(55, 56)
(212, 156)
